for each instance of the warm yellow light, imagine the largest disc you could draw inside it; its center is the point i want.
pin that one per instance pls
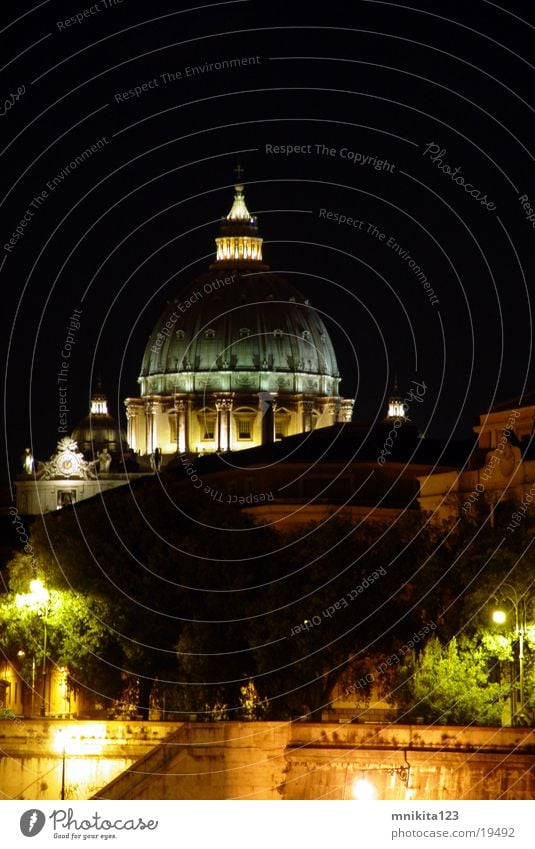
(239, 211)
(238, 247)
(396, 410)
(80, 739)
(363, 790)
(38, 595)
(39, 591)
(499, 617)
(60, 742)
(99, 406)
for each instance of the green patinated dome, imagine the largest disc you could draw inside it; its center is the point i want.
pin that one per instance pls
(241, 324)
(240, 328)
(99, 431)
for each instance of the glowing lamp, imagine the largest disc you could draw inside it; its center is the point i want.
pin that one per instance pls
(363, 790)
(39, 591)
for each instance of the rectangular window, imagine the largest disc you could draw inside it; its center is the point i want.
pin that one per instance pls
(282, 425)
(172, 426)
(245, 427)
(207, 425)
(66, 497)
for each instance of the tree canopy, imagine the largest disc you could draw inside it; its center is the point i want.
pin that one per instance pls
(152, 587)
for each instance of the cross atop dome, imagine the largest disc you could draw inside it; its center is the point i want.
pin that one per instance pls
(239, 211)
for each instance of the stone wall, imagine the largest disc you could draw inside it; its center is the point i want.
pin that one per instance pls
(262, 760)
(96, 752)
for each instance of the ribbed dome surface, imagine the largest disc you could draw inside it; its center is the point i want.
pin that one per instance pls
(227, 321)
(97, 431)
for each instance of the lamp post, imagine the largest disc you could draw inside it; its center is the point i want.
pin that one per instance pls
(39, 598)
(21, 654)
(60, 745)
(63, 774)
(519, 604)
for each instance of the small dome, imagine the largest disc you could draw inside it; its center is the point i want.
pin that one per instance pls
(98, 430)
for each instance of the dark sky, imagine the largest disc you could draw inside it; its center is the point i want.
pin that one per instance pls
(378, 82)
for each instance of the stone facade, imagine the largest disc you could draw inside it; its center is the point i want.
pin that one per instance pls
(500, 469)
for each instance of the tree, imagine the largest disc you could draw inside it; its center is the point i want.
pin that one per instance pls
(342, 594)
(200, 610)
(167, 583)
(457, 683)
(77, 634)
(252, 706)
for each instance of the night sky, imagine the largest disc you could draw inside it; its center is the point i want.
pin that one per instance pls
(383, 101)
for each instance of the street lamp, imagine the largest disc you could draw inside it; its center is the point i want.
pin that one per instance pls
(519, 604)
(499, 617)
(38, 598)
(363, 790)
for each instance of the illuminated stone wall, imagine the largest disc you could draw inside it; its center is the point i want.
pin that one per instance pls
(265, 760)
(232, 760)
(96, 752)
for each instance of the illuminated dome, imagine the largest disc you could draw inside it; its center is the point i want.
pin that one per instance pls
(239, 357)
(253, 330)
(98, 431)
